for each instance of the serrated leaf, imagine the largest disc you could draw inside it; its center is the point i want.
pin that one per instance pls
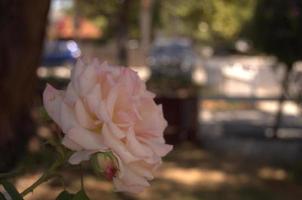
(81, 195)
(11, 190)
(2, 197)
(65, 196)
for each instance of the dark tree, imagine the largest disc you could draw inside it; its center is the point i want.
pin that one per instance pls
(22, 30)
(276, 29)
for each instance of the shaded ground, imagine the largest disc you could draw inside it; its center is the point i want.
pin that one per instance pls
(188, 173)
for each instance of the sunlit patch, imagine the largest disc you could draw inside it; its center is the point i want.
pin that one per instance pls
(93, 184)
(194, 176)
(62, 72)
(272, 174)
(142, 71)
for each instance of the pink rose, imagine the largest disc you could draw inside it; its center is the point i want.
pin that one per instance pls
(109, 109)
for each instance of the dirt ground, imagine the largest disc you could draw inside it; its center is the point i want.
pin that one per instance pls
(188, 173)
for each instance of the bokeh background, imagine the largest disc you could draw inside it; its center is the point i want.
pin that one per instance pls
(228, 73)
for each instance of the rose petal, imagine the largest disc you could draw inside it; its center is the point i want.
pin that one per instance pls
(76, 71)
(115, 130)
(136, 148)
(52, 100)
(70, 144)
(68, 120)
(117, 146)
(130, 181)
(160, 149)
(83, 116)
(97, 105)
(80, 156)
(141, 169)
(70, 96)
(86, 139)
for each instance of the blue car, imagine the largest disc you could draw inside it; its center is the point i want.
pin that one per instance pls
(59, 52)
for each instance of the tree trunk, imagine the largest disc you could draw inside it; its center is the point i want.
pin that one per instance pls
(22, 30)
(145, 25)
(122, 32)
(282, 98)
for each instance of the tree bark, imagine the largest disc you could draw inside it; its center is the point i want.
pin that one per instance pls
(122, 32)
(22, 30)
(281, 100)
(145, 26)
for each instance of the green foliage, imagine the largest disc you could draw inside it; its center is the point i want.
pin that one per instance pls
(228, 17)
(202, 20)
(105, 14)
(207, 20)
(81, 195)
(276, 29)
(2, 196)
(65, 195)
(11, 190)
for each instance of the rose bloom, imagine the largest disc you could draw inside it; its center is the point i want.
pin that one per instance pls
(109, 109)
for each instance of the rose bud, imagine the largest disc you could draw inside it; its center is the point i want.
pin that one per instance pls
(104, 163)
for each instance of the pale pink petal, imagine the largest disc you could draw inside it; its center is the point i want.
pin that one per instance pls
(93, 98)
(96, 104)
(153, 160)
(117, 146)
(142, 169)
(80, 156)
(102, 112)
(70, 96)
(135, 147)
(87, 80)
(159, 148)
(111, 100)
(153, 122)
(70, 144)
(52, 100)
(68, 120)
(86, 139)
(83, 116)
(115, 130)
(130, 181)
(122, 187)
(76, 72)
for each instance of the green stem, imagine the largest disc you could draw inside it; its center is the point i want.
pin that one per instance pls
(19, 170)
(82, 177)
(45, 177)
(9, 174)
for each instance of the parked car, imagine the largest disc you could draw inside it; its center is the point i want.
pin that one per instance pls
(172, 58)
(58, 57)
(60, 52)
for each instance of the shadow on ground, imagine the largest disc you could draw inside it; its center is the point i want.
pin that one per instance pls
(188, 173)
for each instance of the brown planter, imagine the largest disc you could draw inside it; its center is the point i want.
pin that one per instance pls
(182, 117)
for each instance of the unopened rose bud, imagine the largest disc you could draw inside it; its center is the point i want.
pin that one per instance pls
(105, 163)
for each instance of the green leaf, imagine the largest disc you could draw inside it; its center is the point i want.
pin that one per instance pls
(2, 197)
(11, 190)
(81, 195)
(65, 196)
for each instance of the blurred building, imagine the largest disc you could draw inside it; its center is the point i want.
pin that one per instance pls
(66, 27)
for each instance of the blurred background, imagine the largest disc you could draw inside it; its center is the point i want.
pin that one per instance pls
(228, 73)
